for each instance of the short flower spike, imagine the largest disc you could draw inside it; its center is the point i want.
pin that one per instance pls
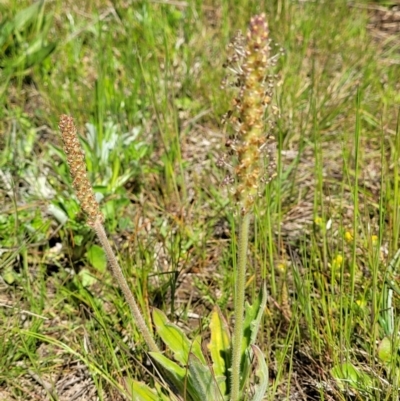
(77, 166)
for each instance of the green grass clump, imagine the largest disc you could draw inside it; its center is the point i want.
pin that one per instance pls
(142, 81)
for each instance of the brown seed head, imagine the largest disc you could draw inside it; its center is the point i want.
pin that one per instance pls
(77, 167)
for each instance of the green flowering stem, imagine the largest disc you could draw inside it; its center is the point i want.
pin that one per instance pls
(239, 306)
(252, 150)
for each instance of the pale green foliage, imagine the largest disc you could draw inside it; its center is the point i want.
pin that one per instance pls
(191, 376)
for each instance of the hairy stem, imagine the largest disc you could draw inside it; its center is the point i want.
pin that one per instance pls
(239, 306)
(117, 273)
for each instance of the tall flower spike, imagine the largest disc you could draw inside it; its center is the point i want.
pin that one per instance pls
(84, 192)
(77, 166)
(249, 143)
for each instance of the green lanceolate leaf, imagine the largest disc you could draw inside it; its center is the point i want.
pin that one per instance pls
(139, 391)
(175, 339)
(255, 324)
(261, 373)
(197, 351)
(253, 316)
(173, 374)
(202, 381)
(252, 321)
(37, 56)
(160, 387)
(190, 383)
(348, 376)
(220, 348)
(25, 16)
(19, 22)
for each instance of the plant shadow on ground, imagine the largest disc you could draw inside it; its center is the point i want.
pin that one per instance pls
(143, 83)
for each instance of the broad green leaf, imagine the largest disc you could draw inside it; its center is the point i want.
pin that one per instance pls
(347, 375)
(202, 381)
(197, 350)
(39, 55)
(385, 350)
(345, 372)
(97, 258)
(20, 20)
(160, 387)
(27, 15)
(24, 39)
(261, 373)
(35, 54)
(9, 276)
(171, 372)
(177, 377)
(220, 348)
(139, 391)
(86, 278)
(78, 239)
(175, 339)
(5, 31)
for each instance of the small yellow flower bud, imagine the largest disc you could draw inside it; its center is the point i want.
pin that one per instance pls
(318, 221)
(361, 303)
(348, 236)
(337, 262)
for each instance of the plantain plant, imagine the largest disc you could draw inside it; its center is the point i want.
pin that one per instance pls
(188, 373)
